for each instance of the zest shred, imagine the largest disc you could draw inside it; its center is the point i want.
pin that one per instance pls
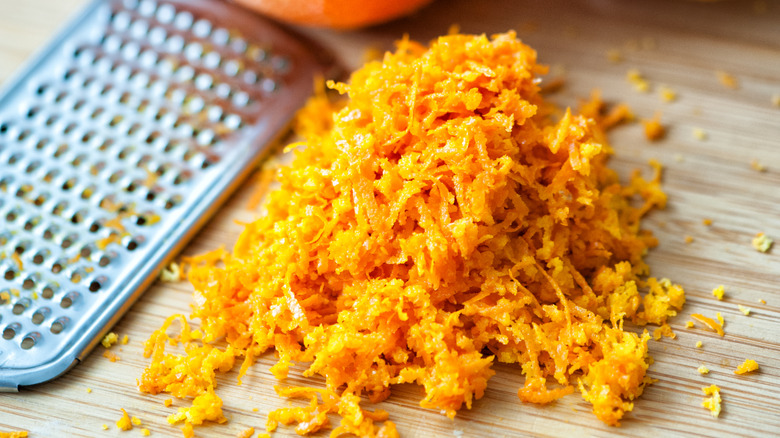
(435, 222)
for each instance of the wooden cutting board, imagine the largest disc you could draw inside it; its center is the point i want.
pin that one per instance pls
(673, 43)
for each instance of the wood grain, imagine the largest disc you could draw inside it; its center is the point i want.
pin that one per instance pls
(677, 43)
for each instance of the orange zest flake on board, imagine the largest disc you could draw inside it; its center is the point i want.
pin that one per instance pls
(436, 222)
(110, 356)
(14, 434)
(667, 94)
(727, 80)
(762, 242)
(654, 130)
(124, 423)
(713, 401)
(638, 81)
(718, 292)
(749, 365)
(246, 433)
(757, 166)
(711, 323)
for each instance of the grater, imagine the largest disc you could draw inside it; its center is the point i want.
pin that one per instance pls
(116, 143)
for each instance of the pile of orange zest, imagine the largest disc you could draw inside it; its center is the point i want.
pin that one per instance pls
(435, 222)
(709, 322)
(124, 423)
(14, 434)
(713, 401)
(747, 366)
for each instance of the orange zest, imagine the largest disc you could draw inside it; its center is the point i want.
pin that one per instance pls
(435, 222)
(709, 322)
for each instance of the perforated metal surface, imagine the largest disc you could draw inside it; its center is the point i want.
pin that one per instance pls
(115, 144)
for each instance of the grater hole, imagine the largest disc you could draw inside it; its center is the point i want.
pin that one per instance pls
(96, 113)
(24, 134)
(132, 245)
(29, 341)
(165, 13)
(49, 233)
(13, 159)
(29, 225)
(97, 167)
(22, 191)
(56, 268)
(10, 274)
(32, 167)
(49, 122)
(88, 192)
(116, 176)
(94, 227)
(60, 150)
(133, 129)
(12, 215)
(77, 276)
(3, 128)
(78, 217)
(28, 283)
(59, 208)
(69, 74)
(88, 136)
(78, 160)
(104, 261)
(173, 202)
(94, 286)
(80, 103)
(48, 291)
(5, 182)
(40, 315)
(50, 175)
(106, 145)
(70, 128)
(10, 331)
(40, 199)
(39, 258)
(4, 298)
(125, 152)
(183, 20)
(181, 178)
(59, 325)
(201, 28)
(19, 308)
(68, 300)
(86, 251)
(68, 241)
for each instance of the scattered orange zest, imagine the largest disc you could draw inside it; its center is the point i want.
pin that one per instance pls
(747, 366)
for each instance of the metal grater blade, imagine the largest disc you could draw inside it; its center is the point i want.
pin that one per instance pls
(116, 143)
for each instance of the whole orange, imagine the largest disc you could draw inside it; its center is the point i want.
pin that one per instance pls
(342, 14)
